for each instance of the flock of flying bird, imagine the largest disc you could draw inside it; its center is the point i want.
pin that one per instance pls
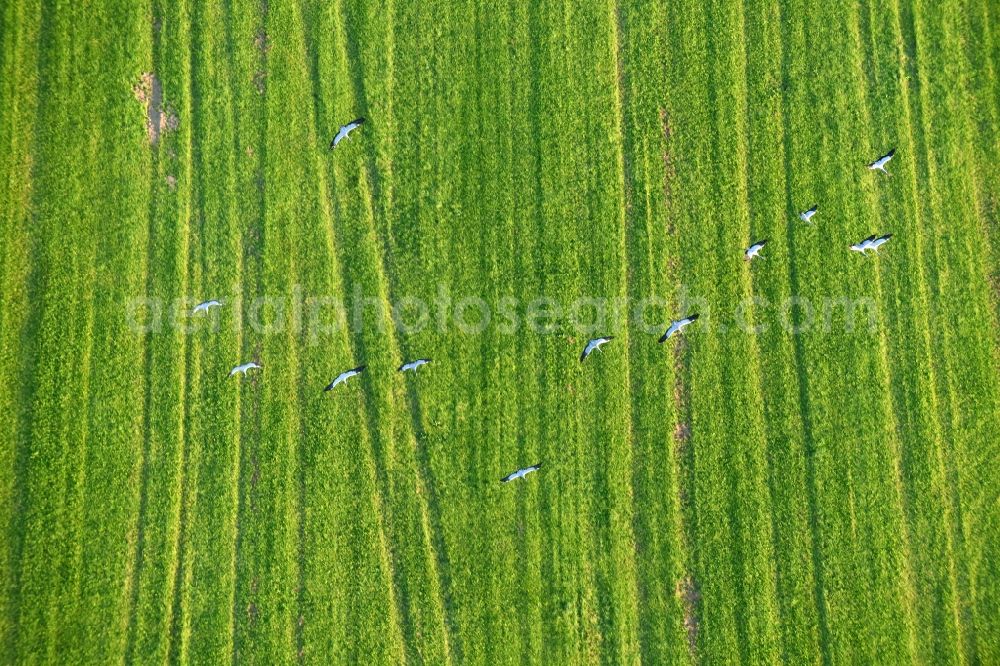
(873, 243)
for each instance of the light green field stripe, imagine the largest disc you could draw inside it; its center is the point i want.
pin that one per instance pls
(45, 578)
(910, 364)
(20, 103)
(215, 255)
(651, 266)
(111, 493)
(966, 310)
(981, 41)
(540, 215)
(980, 35)
(773, 209)
(493, 444)
(760, 573)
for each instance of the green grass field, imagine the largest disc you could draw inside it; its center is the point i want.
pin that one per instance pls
(809, 474)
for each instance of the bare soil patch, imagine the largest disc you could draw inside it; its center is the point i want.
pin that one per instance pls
(172, 182)
(159, 118)
(689, 595)
(262, 42)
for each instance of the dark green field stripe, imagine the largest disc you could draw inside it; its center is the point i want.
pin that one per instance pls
(48, 532)
(978, 34)
(20, 94)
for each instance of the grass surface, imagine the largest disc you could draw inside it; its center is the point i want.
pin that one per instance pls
(808, 474)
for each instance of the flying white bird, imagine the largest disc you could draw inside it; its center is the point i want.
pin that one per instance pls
(754, 250)
(521, 473)
(205, 307)
(806, 215)
(676, 326)
(872, 243)
(594, 344)
(345, 131)
(879, 242)
(879, 164)
(863, 245)
(413, 365)
(344, 376)
(243, 368)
